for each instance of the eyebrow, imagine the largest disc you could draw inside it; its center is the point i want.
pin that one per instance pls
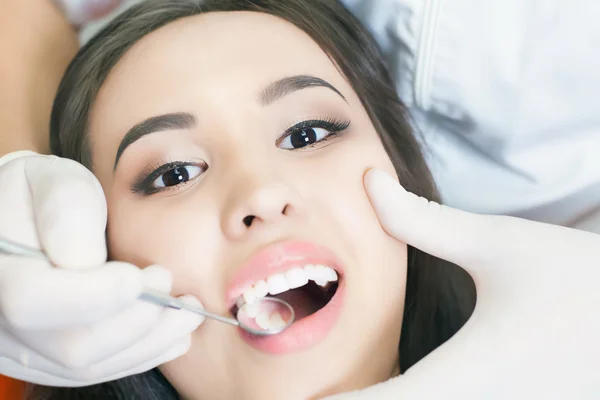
(291, 84)
(154, 124)
(182, 120)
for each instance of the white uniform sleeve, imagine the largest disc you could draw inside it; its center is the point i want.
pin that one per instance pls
(506, 95)
(90, 29)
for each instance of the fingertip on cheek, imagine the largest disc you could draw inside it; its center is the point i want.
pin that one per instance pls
(372, 175)
(379, 178)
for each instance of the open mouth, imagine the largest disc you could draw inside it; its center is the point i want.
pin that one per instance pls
(307, 289)
(309, 277)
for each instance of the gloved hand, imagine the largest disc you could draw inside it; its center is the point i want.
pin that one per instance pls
(80, 12)
(78, 323)
(535, 331)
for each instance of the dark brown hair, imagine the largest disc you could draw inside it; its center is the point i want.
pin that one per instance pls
(439, 297)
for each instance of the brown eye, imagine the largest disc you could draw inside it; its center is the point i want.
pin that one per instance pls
(177, 175)
(304, 137)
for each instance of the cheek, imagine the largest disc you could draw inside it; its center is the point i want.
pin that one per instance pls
(346, 191)
(176, 232)
(381, 259)
(376, 264)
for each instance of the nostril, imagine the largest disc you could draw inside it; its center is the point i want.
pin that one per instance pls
(248, 220)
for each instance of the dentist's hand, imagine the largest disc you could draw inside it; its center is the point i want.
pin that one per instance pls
(535, 331)
(79, 323)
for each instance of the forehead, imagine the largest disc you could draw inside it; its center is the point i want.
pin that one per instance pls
(227, 54)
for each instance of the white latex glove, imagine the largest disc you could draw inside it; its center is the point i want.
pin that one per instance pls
(80, 12)
(79, 323)
(535, 331)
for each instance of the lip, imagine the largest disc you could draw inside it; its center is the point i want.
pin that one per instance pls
(279, 258)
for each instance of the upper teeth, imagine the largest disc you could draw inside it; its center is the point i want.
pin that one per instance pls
(294, 278)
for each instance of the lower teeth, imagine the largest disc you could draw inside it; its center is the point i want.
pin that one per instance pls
(269, 322)
(252, 310)
(305, 300)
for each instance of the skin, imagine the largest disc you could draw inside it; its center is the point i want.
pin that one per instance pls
(214, 66)
(37, 44)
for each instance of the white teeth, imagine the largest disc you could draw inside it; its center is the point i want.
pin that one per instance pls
(292, 279)
(276, 321)
(261, 289)
(249, 295)
(296, 277)
(330, 274)
(320, 273)
(277, 284)
(321, 282)
(263, 320)
(310, 272)
(325, 286)
(252, 310)
(266, 322)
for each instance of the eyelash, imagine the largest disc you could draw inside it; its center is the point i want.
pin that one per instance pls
(144, 184)
(333, 125)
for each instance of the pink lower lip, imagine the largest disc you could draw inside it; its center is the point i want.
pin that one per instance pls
(304, 333)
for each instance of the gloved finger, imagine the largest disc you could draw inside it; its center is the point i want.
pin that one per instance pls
(19, 361)
(16, 212)
(176, 351)
(167, 339)
(17, 371)
(444, 232)
(25, 363)
(36, 371)
(80, 12)
(85, 345)
(70, 211)
(34, 296)
(172, 331)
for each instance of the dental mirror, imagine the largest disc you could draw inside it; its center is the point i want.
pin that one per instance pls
(263, 317)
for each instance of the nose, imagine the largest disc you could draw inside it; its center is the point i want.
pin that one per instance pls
(259, 202)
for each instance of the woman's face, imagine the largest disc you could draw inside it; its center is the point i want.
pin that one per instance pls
(232, 173)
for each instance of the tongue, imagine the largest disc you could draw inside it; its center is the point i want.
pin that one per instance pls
(300, 301)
